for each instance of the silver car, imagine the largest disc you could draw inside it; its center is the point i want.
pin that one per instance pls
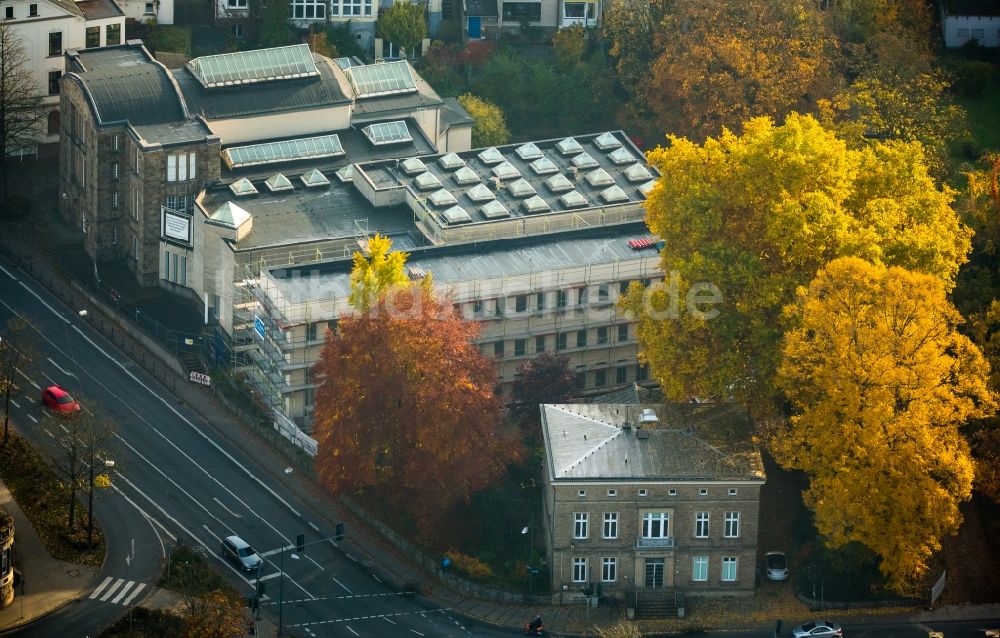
(818, 629)
(776, 565)
(237, 550)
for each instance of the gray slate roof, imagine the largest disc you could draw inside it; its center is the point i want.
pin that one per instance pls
(691, 442)
(453, 113)
(99, 9)
(633, 393)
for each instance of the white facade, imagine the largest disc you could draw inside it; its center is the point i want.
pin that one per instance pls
(960, 30)
(46, 29)
(162, 11)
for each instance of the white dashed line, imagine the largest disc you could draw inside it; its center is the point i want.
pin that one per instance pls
(313, 525)
(416, 632)
(351, 630)
(376, 578)
(33, 418)
(16, 404)
(344, 586)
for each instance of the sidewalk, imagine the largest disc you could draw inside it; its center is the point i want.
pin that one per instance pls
(48, 583)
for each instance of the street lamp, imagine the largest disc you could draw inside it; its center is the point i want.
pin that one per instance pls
(281, 589)
(530, 531)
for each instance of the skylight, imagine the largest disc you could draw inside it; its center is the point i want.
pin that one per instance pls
(490, 156)
(528, 151)
(277, 183)
(506, 170)
(621, 156)
(647, 187)
(284, 151)
(544, 166)
(465, 176)
(456, 215)
(606, 142)
(569, 146)
(573, 199)
(520, 188)
(559, 184)
(387, 133)
(584, 160)
(442, 197)
(387, 78)
(637, 173)
(494, 210)
(258, 65)
(345, 173)
(315, 178)
(243, 187)
(535, 204)
(412, 166)
(599, 177)
(451, 161)
(427, 181)
(479, 193)
(613, 194)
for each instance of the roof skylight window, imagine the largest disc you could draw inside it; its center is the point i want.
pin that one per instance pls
(607, 142)
(528, 151)
(479, 193)
(569, 146)
(494, 210)
(315, 178)
(490, 156)
(506, 170)
(258, 65)
(535, 204)
(573, 199)
(637, 173)
(243, 187)
(345, 174)
(383, 133)
(584, 160)
(520, 188)
(465, 176)
(599, 177)
(544, 166)
(559, 183)
(456, 215)
(620, 156)
(614, 194)
(277, 183)
(412, 166)
(283, 151)
(387, 78)
(647, 187)
(451, 161)
(427, 181)
(442, 197)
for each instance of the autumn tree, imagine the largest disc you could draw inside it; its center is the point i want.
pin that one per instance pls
(21, 111)
(880, 381)
(404, 24)
(80, 441)
(214, 614)
(407, 407)
(546, 378)
(374, 275)
(568, 45)
(17, 353)
(489, 128)
(753, 217)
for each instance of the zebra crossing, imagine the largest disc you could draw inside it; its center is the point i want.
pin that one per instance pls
(117, 591)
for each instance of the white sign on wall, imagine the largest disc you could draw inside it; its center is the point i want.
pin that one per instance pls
(176, 227)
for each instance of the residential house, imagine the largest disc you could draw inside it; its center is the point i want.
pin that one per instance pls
(967, 21)
(651, 498)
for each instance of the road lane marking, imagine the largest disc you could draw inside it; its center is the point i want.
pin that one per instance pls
(276, 551)
(352, 596)
(8, 273)
(269, 577)
(231, 512)
(343, 585)
(66, 372)
(313, 525)
(33, 418)
(16, 404)
(124, 590)
(43, 302)
(389, 620)
(351, 630)
(416, 632)
(135, 592)
(111, 590)
(347, 620)
(97, 591)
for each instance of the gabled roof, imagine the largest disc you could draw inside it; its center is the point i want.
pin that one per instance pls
(689, 442)
(257, 65)
(98, 9)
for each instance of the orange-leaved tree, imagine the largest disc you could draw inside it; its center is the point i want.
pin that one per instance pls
(407, 407)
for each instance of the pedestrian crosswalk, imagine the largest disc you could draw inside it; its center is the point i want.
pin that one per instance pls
(117, 591)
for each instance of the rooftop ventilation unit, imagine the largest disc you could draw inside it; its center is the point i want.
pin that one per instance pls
(648, 416)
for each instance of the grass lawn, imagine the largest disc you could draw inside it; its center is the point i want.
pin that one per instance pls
(172, 39)
(984, 116)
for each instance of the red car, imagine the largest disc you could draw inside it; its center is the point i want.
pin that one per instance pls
(58, 400)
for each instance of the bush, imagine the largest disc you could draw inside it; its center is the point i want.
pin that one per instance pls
(969, 77)
(171, 39)
(342, 39)
(469, 565)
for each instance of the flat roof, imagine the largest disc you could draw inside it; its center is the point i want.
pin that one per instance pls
(475, 261)
(688, 442)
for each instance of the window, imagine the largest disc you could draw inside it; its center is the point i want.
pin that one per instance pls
(498, 349)
(181, 167)
(609, 570)
(703, 492)
(137, 165)
(602, 335)
(498, 307)
(643, 493)
(135, 247)
(55, 44)
(978, 34)
(732, 524)
(135, 204)
(560, 299)
(612, 493)
(582, 493)
(114, 142)
(671, 492)
(93, 37)
(580, 525)
(312, 330)
(520, 347)
(641, 372)
(8, 13)
(114, 170)
(113, 35)
(600, 378)
(237, 30)
(623, 287)
(579, 570)
(729, 568)
(610, 524)
(178, 203)
(149, 8)
(32, 10)
(540, 301)
(581, 338)
(656, 525)
(581, 296)
(621, 374)
(701, 525)
(561, 341)
(520, 303)
(699, 568)
(604, 292)
(477, 307)
(114, 199)
(522, 11)
(578, 10)
(114, 233)
(309, 9)
(732, 491)
(351, 7)
(236, 4)
(539, 344)
(622, 333)
(54, 82)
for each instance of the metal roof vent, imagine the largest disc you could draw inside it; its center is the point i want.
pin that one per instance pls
(626, 426)
(641, 434)
(648, 416)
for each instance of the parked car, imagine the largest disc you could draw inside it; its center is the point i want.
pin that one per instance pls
(237, 550)
(59, 401)
(776, 565)
(818, 629)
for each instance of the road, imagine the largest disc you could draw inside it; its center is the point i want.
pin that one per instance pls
(177, 480)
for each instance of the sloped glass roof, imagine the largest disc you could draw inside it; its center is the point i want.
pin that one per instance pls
(573, 199)
(558, 183)
(521, 188)
(637, 173)
(506, 170)
(544, 166)
(383, 133)
(620, 156)
(283, 151)
(427, 181)
(230, 214)
(465, 176)
(442, 197)
(647, 187)
(345, 173)
(528, 151)
(613, 194)
(479, 193)
(584, 160)
(316, 178)
(278, 182)
(494, 210)
(606, 142)
(456, 215)
(386, 78)
(412, 166)
(490, 156)
(535, 204)
(599, 177)
(243, 187)
(451, 161)
(258, 65)
(569, 146)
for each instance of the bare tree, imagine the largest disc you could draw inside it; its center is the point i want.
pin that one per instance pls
(21, 111)
(17, 351)
(82, 442)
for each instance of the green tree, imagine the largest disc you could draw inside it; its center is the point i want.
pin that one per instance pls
(880, 381)
(489, 127)
(756, 216)
(274, 30)
(373, 276)
(341, 38)
(546, 378)
(21, 112)
(403, 24)
(568, 45)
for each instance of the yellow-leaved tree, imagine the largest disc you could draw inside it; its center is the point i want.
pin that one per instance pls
(373, 276)
(880, 381)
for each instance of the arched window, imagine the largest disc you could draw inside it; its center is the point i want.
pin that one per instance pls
(54, 123)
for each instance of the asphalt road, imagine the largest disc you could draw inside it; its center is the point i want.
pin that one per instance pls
(177, 480)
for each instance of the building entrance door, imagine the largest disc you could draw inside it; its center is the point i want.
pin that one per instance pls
(654, 573)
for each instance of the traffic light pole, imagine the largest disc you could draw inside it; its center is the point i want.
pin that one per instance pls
(300, 546)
